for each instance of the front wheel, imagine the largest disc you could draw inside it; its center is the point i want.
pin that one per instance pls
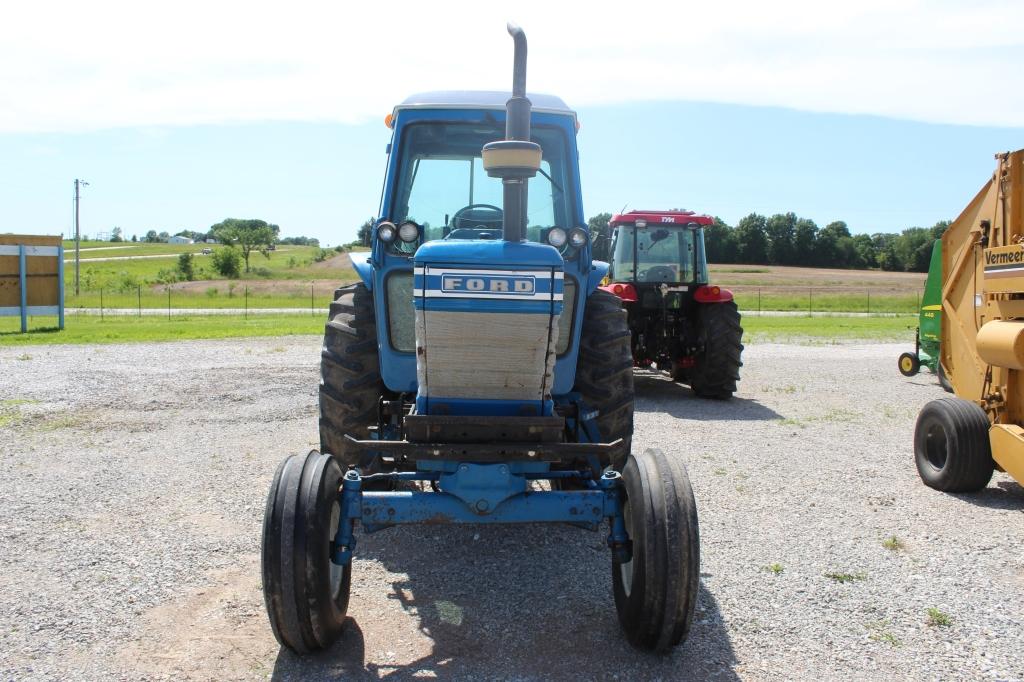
(656, 591)
(306, 594)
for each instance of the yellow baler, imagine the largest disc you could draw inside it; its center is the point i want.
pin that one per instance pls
(959, 441)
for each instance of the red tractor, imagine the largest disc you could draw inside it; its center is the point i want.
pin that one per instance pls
(679, 323)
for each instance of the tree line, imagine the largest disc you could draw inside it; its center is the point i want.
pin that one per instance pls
(787, 239)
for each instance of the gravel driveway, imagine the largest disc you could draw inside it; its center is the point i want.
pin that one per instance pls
(134, 480)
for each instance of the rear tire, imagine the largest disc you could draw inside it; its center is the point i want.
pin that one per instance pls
(656, 591)
(604, 370)
(717, 369)
(951, 446)
(306, 595)
(909, 364)
(350, 381)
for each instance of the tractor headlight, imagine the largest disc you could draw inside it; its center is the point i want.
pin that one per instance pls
(557, 237)
(386, 232)
(409, 232)
(577, 238)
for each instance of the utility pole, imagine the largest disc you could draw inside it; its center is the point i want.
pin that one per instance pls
(78, 233)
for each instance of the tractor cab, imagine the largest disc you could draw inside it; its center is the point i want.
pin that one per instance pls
(650, 248)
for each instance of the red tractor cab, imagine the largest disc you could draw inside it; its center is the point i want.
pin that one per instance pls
(679, 322)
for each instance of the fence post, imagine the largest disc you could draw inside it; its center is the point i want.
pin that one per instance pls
(140, 300)
(759, 301)
(311, 311)
(869, 303)
(168, 302)
(246, 302)
(101, 303)
(810, 302)
(23, 286)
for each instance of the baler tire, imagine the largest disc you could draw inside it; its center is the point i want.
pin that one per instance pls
(306, 595)
(943, 379)
(604, 369)
(717, 369)
(951, 446)
(350, 381)
(909, 364)
(656, 591)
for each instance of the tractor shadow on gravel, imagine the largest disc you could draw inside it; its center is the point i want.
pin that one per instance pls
(1006, 495)
(498, 602)
(657, 393)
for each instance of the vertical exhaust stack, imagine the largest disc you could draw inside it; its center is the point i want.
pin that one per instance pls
(515, 159)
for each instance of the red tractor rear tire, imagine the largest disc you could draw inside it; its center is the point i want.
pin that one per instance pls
(717, 367)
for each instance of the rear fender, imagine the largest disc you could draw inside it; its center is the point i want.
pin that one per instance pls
(598, 271)
(361, 263)
(712, 294)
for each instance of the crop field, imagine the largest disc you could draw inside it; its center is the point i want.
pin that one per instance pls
(769, 287)
(135, 477)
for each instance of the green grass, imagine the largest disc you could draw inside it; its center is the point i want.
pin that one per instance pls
(892, 543)
(91, 329)
(821, 301)
(938, 618)
(766, 329)
(774, 569)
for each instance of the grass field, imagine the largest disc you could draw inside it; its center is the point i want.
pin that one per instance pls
(92, 329)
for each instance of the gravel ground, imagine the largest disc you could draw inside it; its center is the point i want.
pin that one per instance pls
(134, 480)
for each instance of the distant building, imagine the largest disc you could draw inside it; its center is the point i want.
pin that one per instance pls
(211, 241)
(177, 239)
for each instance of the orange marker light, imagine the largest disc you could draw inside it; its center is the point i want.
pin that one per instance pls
(715, 291)
(389, 121)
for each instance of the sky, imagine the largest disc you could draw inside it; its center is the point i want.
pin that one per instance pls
(882, 114)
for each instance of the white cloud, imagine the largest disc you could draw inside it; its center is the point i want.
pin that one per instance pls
(88, 65)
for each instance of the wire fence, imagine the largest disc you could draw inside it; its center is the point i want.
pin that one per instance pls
(316, 296)
(836, 300)
(192, 298)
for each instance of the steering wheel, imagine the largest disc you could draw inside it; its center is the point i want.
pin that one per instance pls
(659, 273)
(460, 216)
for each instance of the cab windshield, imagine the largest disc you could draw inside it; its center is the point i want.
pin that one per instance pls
(443, 187)
(654, 254)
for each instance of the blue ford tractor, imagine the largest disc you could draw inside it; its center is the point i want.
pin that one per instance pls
(476, 374)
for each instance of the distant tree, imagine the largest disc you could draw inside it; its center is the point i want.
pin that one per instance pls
(163, 237)
(805, 234)
(299, 241)
(116, 235)
(601, 235)
(365, 232)
(781, 232)
(152, 237)
(186, 267)
(751, 239)
(720, 242)
(135, 238)
(248, 235)
(227, 261)
(865, 252)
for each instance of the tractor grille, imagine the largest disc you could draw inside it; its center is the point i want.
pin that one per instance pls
(485, 335)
